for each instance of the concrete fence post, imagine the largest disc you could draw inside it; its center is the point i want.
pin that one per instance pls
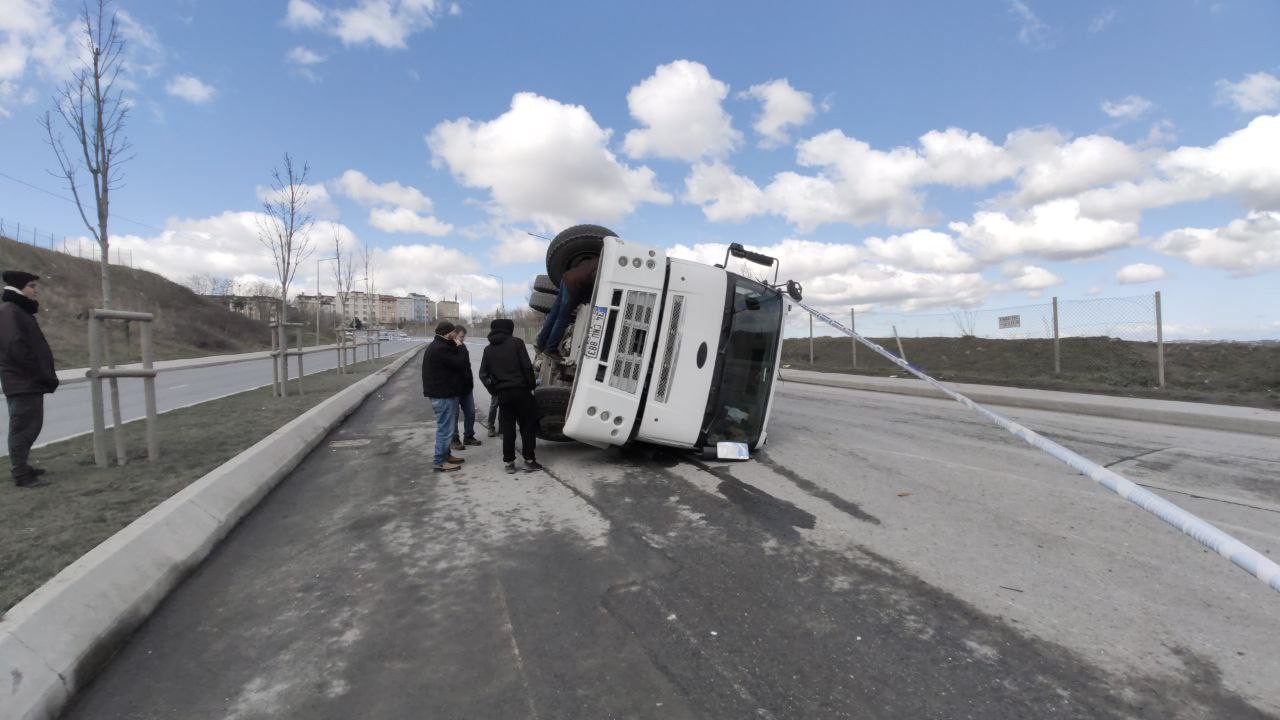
(853, 325)
(1057, 355)
(95, 391)
(1159, 342)
(810, 339)
(149, 392)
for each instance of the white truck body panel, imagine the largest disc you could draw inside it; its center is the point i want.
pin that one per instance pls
(685, 359)
(613, 359)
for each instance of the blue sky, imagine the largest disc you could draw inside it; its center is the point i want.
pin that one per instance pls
(897, 156)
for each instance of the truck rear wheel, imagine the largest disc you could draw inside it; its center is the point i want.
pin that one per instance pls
(542, 283)
(572, 246)
(553, 405)
(541, 301)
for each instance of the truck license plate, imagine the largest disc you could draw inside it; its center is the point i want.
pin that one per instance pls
(595, 331)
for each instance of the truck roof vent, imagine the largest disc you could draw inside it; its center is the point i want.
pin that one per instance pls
(672, 351)
(628, 351)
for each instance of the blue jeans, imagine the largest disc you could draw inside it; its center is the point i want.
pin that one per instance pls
(561, 314)
(467, 404)
(446, 410)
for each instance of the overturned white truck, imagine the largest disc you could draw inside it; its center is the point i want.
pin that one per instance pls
(665, 351)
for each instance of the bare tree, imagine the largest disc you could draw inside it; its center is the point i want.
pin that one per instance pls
(285, 228)
(91, 107)
(344, 273)
(223, 286)
(201, 283)
(965, 320)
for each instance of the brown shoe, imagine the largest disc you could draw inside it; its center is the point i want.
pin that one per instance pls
(454, 460)
(446, 467)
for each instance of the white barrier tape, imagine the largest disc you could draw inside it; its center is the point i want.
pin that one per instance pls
(1245, 557)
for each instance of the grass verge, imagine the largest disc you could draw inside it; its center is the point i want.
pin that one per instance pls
(42, 530)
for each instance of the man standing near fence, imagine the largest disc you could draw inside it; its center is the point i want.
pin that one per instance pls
(26, 371)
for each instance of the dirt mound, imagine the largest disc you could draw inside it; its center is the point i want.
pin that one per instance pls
(1231, 373)
(186, 325)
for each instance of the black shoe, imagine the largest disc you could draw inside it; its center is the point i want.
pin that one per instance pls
(533, 466)
(493, 433)
(511, 467)
(472, 441)
(29, 481)
(38, 471)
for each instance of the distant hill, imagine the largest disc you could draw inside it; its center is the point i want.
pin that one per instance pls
(186, 324)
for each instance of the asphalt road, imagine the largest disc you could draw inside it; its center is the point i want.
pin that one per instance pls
(68, 412)
(886, 557)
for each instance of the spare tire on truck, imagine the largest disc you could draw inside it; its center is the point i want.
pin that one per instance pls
(541, 301)
(542, 283)
(553, 405)
(572, 246)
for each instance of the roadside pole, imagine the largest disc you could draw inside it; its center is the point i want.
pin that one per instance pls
(853, 325)
(1159, 342)
(1057, 357)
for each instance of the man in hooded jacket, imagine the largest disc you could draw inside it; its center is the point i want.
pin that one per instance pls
(507, 373)
(26, 371)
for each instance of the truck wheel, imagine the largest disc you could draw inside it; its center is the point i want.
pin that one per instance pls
(572, 246)
(541, 301)
(542, 283)
(553, 405)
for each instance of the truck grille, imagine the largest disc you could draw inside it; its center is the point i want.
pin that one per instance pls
(671, 353)
(628, 352)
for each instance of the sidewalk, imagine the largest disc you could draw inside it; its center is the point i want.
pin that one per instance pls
(1228, 418)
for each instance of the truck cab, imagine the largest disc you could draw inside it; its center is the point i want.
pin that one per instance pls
(665, 351)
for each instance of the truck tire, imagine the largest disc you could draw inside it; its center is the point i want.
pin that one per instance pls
(553, 405)
(541, 301)
(572, 246)
(542, 283)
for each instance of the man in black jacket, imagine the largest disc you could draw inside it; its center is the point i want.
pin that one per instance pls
(467, 402)
(26, 371)
(507, 374)
(446, 374)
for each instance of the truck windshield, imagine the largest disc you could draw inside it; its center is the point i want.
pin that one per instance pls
(754, 321)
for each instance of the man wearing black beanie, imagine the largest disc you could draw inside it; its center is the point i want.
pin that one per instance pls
(507, 373)
(26, 371)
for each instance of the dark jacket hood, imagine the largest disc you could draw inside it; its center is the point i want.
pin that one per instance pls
(31, 306)
(501, 329)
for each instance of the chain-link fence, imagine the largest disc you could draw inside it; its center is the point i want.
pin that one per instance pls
(77, 247)
(1119, 336)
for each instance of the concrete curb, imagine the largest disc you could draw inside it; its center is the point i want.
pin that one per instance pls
(1168, 412)
(77, 375)
(57, 638)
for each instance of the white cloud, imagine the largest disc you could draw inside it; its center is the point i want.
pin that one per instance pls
(1246, 246)
(1241, 164)
(723, 194)
(1139, 273)
(304, 56)
(1055, 229)
(923, 250)
(783, 107)
(1257, 92)
(1102, 20)
(404, 220)
(516, 246)
(1053, 167)
(30, 37)
(302, 14)
(545, 162)
(386, 23)
(1031, 31)
(357, 186)
(680, 107)
(1130, 108)
(1029, 277)
(191, 89)
(964, 159)
(905, 290)
(800, 259)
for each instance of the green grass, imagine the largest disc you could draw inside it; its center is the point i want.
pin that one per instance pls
(42, 530)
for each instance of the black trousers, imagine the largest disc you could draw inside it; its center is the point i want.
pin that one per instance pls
(518, 407)
(26, 418)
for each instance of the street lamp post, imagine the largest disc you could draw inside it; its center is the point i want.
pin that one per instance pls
(503, 295)
(318, 261)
